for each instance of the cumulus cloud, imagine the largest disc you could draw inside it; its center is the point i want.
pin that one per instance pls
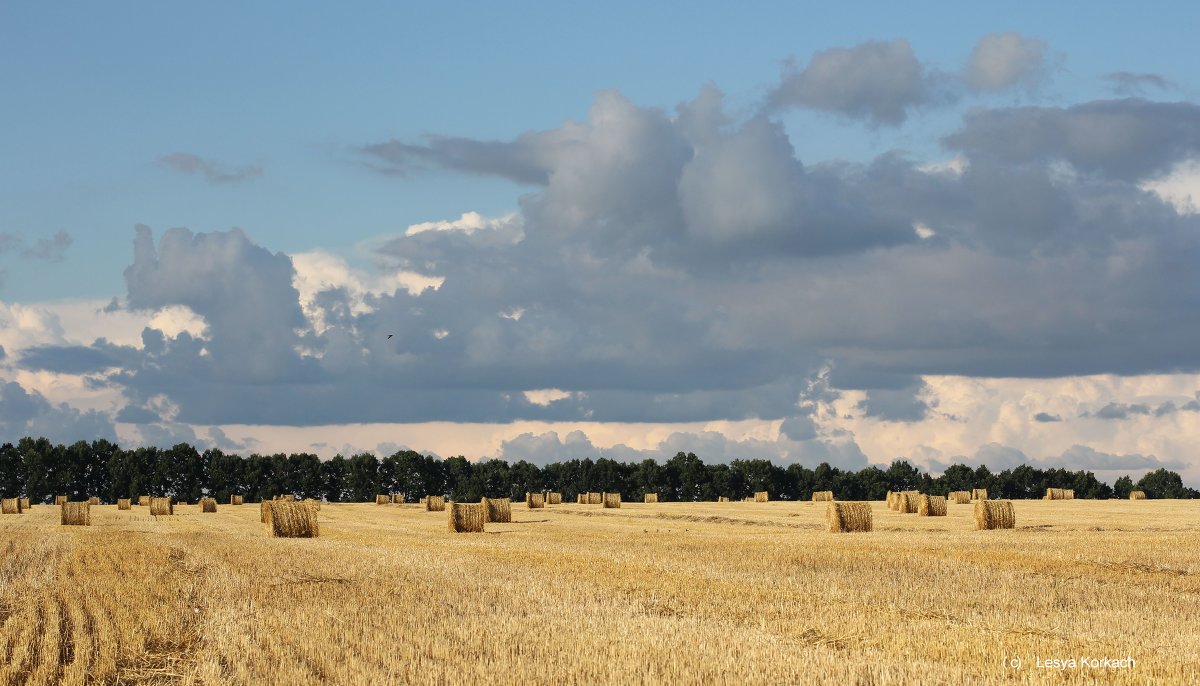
(687, 266)
(213, 172)
(28, 413)
(712, 446)
(1005, 60)
(997, 457)
(1130, 84)
(1046, 418)
(1127, 140)
(877, 82)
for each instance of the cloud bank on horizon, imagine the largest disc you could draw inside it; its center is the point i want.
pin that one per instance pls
(686, 266)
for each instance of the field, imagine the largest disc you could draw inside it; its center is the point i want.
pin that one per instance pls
(650, 593)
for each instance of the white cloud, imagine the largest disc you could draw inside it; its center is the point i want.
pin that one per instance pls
(468, 223)
(545, 396)
(1180, 187)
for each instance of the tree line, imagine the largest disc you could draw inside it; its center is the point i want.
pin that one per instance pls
(38, 469)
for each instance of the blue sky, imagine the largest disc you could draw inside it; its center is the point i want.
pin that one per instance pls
(843, 232)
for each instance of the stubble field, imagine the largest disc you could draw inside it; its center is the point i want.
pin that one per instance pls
(650, 593)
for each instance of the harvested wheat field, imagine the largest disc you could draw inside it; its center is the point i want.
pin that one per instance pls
(698, 593)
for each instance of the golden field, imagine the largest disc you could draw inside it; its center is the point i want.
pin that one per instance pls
(701, 593)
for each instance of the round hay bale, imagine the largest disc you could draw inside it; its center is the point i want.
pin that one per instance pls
(995, 514)
(761, 497)
(822, 496)
(650, 498)
(595, 498)
(535, 501)
(435, 503)
(722, 499)
(291, 519)
(24, 503)
(10, 506)
(76, 514)
(979, 494)
(960, 497)
(846, 517)
(264, 512)
(161, 506)
(465, 518)
(891, 500)
(123, 503)
(60, 499)
(313, 503)
(554, 498)
(93, 500)
(931, 506)
(907, 502)
(580, 499)
(236, 500)
(612, 500)
(208, 505)
(383, 500)
(497, 509)
(143, 501)
(1137, 495)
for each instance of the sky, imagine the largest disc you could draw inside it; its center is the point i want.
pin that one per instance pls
(847, 233)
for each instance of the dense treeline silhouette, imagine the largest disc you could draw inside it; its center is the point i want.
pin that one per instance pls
(39, 469)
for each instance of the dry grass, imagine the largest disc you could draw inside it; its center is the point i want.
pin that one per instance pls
(10, 506)
(291, 519)
(161, 506)
(466, 517)
(822, 496)
(711, 594)
(612, 500)
(761, 496)
(208, 504)
(1137, 495)
(435, 503)
(931, 506)
(847, 517)
(75, 514)
(497, 510)
(534, 501)
(979, 494)
(650, 498)
(995, 514)
(124, 503)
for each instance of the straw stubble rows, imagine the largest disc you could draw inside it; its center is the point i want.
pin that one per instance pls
(680, 593)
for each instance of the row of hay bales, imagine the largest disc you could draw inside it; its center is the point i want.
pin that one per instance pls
(844, 517)
(11, 506)
(1059, 494)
